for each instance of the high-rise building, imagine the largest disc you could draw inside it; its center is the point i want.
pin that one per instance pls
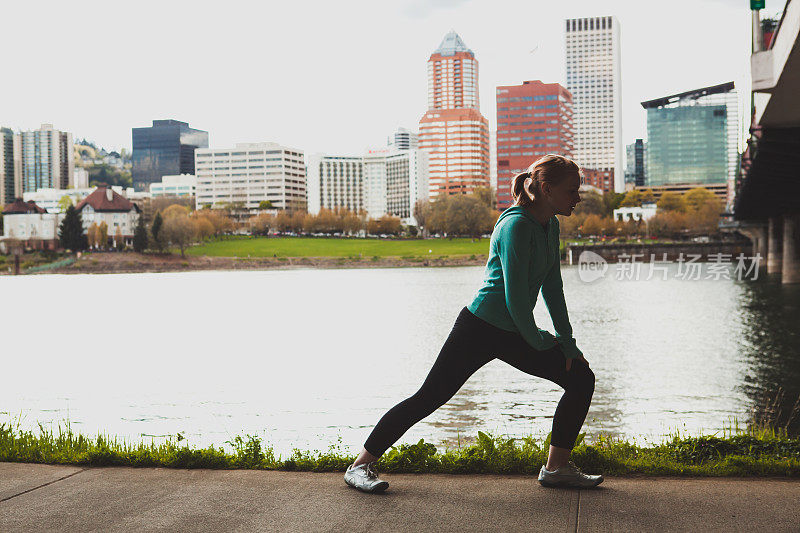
(693, 137)
(593, 78)
(533, 119)
(393, 182)
(453, 131)
(381, 182)
(251, 173)
(46, 159)
(335, 181)
(164, 149)
(9, 183)
(635, 153)
(403, 139)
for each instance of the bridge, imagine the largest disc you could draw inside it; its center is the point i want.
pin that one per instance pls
(767, 205)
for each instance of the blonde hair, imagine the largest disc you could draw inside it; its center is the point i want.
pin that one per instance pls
(551, 168)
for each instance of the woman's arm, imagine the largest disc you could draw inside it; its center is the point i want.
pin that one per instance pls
(514, 249)
(553, 294)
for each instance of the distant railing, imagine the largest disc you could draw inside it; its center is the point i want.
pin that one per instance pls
(57, 264)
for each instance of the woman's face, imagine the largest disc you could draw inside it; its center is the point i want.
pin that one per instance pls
(564, 196)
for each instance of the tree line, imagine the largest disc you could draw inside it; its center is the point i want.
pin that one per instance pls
(468, 215)
(695, 212)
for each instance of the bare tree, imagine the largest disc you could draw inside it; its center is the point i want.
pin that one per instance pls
(485, 195)
(422, 211)
(261, 224)
(180, 231)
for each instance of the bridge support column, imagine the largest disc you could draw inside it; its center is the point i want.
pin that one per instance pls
(775, 245)
(791, 249)
(758, 234)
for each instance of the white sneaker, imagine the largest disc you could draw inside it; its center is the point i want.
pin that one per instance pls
(568, 475)
(364, 478)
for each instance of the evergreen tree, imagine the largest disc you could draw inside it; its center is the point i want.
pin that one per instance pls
(70, 232)
(156, 230)
(140, 236)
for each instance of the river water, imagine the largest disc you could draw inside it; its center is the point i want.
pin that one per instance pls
(307, 358)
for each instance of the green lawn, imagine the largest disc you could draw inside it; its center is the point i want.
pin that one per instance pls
(244, 246)
(338, 247)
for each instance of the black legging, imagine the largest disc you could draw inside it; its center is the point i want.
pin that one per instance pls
(472, 343)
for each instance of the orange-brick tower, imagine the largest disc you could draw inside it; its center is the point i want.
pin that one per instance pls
(453, 131)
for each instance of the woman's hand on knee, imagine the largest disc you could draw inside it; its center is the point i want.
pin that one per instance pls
(580, 358)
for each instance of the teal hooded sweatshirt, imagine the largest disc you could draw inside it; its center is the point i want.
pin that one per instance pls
(524, 259)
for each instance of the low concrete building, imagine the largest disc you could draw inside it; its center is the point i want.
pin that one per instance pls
(645, 212)
(183, 185)
(48, 198)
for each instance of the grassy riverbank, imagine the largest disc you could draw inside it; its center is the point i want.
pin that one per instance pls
(759, 452)
(268, 253)
(355, 248)
(339, 247)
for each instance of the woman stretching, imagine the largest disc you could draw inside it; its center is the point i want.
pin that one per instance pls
(498, 323)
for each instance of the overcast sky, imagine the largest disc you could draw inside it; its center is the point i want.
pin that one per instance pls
(330, 76)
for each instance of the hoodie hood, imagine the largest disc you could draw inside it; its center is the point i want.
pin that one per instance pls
(518, 210)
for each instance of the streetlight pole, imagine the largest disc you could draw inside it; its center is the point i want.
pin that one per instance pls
(757, 41)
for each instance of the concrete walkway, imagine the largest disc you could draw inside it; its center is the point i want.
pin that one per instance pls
(61, 498)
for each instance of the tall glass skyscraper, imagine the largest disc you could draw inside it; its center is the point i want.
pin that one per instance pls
(636, 154)
(164, 149)
(692, 137)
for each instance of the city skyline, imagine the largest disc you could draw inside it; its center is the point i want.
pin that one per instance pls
(332, 72)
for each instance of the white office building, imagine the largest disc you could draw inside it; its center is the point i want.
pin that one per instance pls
(381, 182)
(594, 79)
(251, 173)
(181, 185)
(394, 181)
(375, 182)
(335, 181)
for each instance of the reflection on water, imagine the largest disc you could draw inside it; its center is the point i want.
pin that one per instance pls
(770, 347)
(303, 357)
